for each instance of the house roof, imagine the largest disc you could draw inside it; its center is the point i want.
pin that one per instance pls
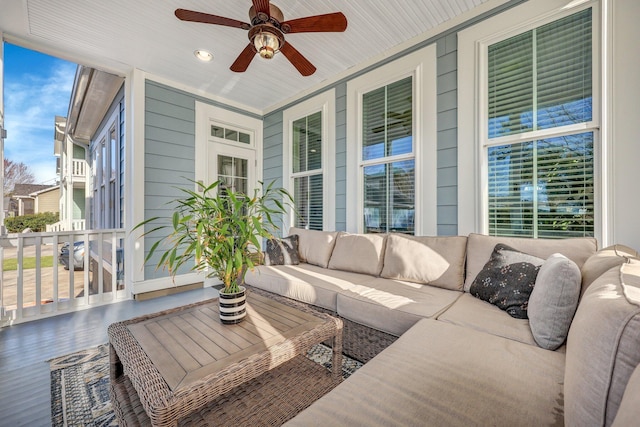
(121, 36)
(27, 189)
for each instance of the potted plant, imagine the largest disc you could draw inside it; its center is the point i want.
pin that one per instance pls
(217, 230)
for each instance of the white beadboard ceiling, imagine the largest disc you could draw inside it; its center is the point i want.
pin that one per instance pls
(118, 35)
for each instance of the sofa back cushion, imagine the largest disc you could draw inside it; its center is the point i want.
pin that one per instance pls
(359, 253)
(603, 260)
(314, 247)
(603, 347)
(437, 261)
(480, 247)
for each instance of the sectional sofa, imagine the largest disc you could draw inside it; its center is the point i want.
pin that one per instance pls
(438, 352)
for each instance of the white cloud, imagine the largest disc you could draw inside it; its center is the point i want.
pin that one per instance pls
(31, 104)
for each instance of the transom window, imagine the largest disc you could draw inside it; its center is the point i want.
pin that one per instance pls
(387, 159)
(540, 131)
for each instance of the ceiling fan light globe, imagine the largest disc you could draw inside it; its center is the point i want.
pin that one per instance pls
(266, 44)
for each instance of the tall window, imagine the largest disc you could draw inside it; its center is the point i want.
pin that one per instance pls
(541, 131)
(388, 159)
(105, 175)
(307, 171)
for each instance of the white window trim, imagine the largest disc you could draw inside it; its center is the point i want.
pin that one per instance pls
(325, 103)
(472, 128)
(422, 65)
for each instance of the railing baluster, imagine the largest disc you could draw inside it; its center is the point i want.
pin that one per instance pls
(38, 247)
(19, 280)
(54, 277)
(100, 265)
(87, 267)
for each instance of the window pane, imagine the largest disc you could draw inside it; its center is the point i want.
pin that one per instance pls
(542, 78)
(308, 192)
(564, 71)
(245, 138)
(233, 173)
(510, 91)
(389, 199)
(314, 141)
(307, 143)
(542, 188)
(217, 131)
(387, 121)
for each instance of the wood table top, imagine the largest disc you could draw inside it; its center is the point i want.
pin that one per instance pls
(190, 344)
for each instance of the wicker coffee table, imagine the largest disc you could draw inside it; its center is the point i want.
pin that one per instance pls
(182, 367)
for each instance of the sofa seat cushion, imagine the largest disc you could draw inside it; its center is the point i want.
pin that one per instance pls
(603, 346)
(473, 313)
(437, 261)
(359, 253)
(305, 282)
(480, 247)
(393, 306)
(438, 374)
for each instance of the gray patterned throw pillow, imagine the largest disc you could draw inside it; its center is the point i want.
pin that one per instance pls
(282, 251)
(507, 280)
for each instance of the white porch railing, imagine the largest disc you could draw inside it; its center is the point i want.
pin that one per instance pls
(34, 284)
(78, 168)
(76, 224)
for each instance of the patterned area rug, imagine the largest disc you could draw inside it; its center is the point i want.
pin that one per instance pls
(80, 385)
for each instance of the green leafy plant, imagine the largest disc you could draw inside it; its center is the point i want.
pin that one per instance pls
(217, 230)
(35, 222)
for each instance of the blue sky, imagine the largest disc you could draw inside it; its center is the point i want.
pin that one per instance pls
(36, 89)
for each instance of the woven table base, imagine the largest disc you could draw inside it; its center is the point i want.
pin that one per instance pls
(269, 400)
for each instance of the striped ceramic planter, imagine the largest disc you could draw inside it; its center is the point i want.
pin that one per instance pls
(233, 306)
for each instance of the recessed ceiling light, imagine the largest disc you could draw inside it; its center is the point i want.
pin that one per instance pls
(203, 55)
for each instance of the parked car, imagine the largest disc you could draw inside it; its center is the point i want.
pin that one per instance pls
(78, 255)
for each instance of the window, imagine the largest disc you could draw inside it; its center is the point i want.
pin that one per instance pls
(540, 131)
(309, 161)
(307, 171)
(392, 170)
(387, 159)
(105, 176)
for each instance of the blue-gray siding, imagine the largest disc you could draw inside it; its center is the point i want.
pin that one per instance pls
(169, 158)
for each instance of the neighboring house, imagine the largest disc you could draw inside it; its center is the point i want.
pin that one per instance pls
(46, 200)
(23, 199)
(511, 118)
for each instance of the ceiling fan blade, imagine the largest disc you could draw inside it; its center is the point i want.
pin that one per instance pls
(193, 16)
(261, 6)
(331, 22)
(243, 60)
(301, 63)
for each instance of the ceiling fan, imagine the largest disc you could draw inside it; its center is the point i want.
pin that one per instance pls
(267, 30)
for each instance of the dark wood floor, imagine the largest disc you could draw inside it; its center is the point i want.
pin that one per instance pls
(25, 398)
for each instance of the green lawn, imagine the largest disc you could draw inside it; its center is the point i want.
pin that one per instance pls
(28, 263)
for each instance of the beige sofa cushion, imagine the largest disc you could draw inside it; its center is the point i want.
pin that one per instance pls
(473, 313)
(437, 261)
(629, 412)
(314, 247)
(439, 374)
(480, 247)
(360, 253)
(603, 346)
(304, 282)
(393, 306)
(604, 260)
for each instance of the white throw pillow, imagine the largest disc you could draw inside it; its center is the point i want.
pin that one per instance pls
(554, 300)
